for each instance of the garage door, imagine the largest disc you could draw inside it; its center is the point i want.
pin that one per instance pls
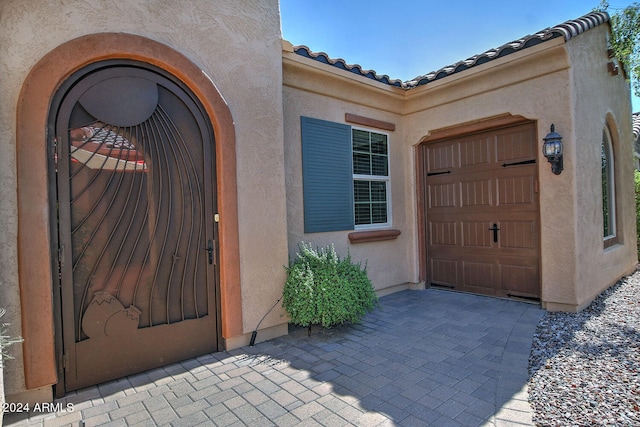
(482, 220)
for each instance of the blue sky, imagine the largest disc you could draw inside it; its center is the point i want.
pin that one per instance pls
(408, 38)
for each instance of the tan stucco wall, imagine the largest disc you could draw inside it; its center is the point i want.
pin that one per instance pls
(566, 84)
(329, 97)
(555, 82)
(534, 84)
(520, 84)
(600, 99)
(237, 45)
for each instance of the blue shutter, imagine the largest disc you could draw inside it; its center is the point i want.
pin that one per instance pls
(327, 177)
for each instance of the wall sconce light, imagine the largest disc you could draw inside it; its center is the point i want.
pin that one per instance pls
(552, 150)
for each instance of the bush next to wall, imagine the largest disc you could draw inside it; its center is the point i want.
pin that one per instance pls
(323, 289)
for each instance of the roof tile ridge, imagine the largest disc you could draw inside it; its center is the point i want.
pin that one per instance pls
(567, 29)
(574, 27)
(341, 63)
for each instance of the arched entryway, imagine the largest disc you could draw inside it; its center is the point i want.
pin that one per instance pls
(133, 160)
(38, 103)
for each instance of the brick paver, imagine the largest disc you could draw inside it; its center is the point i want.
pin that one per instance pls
(422, 358)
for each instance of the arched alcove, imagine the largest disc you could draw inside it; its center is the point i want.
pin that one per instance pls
(36, 268)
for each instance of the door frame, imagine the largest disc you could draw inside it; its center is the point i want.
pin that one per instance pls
(65, 322)
(484, 125)
(35, 246)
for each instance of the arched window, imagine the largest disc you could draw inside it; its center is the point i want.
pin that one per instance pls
(608, 189)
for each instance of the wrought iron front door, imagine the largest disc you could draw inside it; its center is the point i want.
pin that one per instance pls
(134, 161)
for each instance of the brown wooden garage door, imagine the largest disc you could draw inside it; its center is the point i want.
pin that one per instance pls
(482, 221)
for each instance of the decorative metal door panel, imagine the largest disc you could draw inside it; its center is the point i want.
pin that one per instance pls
(482, 212)
(136, 202)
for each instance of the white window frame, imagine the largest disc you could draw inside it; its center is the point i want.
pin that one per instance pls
(386, 179)
(607, 144)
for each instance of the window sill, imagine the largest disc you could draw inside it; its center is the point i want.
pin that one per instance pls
(373, 235)
(612, 241)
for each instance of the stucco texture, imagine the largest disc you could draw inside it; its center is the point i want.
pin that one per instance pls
(228, 42)
(533, 84)
(235, 50)
(559, 82)
(600, 100)
(389, 263)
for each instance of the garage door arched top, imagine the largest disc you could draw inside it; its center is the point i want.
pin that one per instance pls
(475, 126)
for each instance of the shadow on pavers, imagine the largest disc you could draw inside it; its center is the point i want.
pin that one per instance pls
(427, 357)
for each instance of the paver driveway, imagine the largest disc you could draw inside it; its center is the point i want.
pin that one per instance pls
(422, 358)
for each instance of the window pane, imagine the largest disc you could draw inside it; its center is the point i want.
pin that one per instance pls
(363, 213)
(608, 214)
(378, 143)
(361, 164)
(605, 196)
(378, 191)
(370, 157)
(378, 213)
(361, 191)
(379, 165)
(608, 189)
(361, 141)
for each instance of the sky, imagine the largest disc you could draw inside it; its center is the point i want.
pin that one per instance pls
(408, 38)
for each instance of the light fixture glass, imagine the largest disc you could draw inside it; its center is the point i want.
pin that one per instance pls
(552, 150)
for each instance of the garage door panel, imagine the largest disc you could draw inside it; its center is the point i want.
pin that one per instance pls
(518, 234)
(519, 279)
(441, 157)
(476, 233)
(444, 271)
(475, 151)
(443, 233)
(516, 190)
(478, 275)
(515, 144)
(443, 195)
(476, 195)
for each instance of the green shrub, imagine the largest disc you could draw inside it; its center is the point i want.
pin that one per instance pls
(322, 289)
(637, 186)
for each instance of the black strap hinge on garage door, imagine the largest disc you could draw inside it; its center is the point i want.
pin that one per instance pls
(524, 162)
(438, 173)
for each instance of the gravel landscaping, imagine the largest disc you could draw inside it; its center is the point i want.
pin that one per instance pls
(584, 368)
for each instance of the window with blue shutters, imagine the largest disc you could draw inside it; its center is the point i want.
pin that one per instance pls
(326, 176)
(345, 177)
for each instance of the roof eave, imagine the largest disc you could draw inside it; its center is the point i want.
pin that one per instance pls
(566, 31)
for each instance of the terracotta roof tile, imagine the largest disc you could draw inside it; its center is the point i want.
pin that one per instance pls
(341, 63)
(567, 30)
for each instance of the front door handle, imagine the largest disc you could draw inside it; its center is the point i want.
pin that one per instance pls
(209, 249)
(495, 230)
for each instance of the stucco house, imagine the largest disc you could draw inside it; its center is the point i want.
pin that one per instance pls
(161, 161)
